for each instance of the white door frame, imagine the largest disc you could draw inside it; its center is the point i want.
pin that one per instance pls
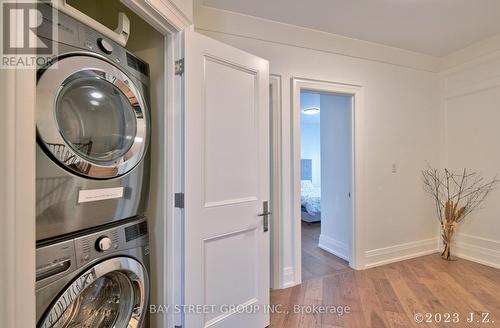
(276, 183)
(357, 92)
(17, 197)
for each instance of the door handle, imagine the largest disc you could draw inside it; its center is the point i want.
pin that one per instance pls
(265, 215)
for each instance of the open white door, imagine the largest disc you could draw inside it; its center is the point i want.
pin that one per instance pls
(226, 182)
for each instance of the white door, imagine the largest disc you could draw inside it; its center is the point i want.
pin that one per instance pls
(226, 181)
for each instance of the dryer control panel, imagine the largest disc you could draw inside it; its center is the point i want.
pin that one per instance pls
(76, 34)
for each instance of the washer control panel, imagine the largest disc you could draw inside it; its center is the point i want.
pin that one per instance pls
(58, 259)
(99, 244)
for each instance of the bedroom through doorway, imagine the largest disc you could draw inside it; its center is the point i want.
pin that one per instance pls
(326, 182)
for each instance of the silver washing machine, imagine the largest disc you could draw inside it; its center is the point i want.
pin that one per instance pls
(95, 280)
(93, 131)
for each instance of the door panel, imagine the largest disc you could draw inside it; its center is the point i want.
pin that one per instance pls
(226, 179)
(229, 116)
(241, 272)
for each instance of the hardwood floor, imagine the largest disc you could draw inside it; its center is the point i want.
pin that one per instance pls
(315, 261)
(390, 296)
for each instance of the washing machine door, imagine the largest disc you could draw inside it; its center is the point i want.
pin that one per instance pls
(112, 294)
(91, 117)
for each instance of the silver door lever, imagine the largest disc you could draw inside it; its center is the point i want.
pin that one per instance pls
(265, 215)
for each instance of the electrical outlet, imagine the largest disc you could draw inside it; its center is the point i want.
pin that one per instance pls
(394, 168)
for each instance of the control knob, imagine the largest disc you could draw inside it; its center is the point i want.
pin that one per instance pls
(105, 46)
(103, 244)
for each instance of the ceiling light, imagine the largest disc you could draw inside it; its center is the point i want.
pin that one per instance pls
(311, 110)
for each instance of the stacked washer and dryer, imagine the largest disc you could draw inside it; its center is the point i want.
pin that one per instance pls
(93, 134)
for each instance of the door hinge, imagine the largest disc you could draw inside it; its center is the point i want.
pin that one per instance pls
(179, 200)
(179, 67)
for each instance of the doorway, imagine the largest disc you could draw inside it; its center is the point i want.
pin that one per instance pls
(325, 184)
(323, 177)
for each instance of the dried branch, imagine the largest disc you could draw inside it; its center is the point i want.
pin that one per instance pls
(456, 195)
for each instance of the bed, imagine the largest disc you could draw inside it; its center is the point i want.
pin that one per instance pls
(310, 201)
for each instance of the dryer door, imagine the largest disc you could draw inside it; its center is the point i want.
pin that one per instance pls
(91, 117)
(113, 293)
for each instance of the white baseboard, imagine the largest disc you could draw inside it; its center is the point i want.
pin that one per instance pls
(386, 255)
(288, 277)
(477, 249)
(333, 246)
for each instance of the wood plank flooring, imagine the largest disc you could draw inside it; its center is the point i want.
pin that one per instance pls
(390, 296)
(315, 261)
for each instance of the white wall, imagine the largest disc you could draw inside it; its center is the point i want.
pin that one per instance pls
(310, 134)
(336, 164)
(472, 106)
(401, 124)
(310, 140)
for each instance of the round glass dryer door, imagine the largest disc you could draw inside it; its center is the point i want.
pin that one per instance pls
(112, 294)
(91, 117)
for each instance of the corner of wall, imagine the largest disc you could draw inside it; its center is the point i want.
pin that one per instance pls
(468, 75)
(471, 53)
(288, 277)
(334, 247)
(477, 249)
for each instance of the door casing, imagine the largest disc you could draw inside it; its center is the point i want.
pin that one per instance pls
(357, 92)
(276, 188)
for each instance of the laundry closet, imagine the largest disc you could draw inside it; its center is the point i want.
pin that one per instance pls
(206, 106)
(100, 169)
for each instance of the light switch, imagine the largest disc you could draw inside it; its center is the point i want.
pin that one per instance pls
(394, 168)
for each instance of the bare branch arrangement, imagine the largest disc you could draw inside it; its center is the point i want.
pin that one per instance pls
(456, 195)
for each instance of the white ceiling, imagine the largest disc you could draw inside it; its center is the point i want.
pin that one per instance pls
(433, 27)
